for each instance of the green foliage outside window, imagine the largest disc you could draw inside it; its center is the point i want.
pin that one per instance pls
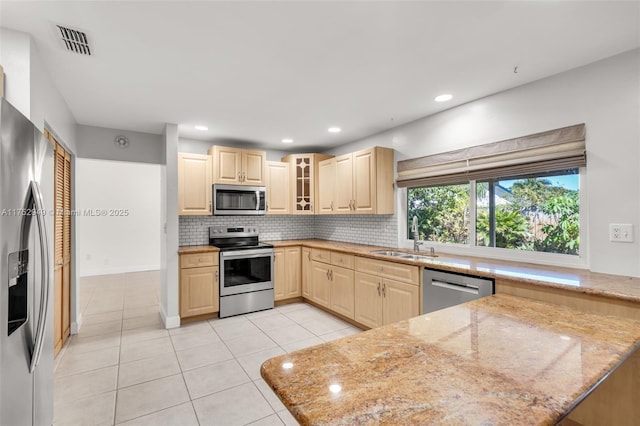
(533, 213)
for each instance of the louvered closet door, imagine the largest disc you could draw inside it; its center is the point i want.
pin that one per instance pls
(66, 249)
(62, 245)
(59, 252)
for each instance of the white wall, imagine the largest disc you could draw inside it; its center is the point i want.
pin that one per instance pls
(605, 95)
(15, 58)
(115, 244)
(170, 289)
(99, 143)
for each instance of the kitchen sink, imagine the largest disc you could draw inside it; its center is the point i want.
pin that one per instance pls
(403, 255)
(416, 257)
(389, 253)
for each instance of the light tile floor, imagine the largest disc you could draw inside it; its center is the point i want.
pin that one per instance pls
(124, 368)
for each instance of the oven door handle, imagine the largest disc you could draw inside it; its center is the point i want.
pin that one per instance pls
(245, 254)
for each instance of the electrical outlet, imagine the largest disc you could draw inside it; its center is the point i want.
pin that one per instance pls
(621, 232)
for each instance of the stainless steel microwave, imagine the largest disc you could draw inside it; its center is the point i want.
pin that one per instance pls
(239, 200)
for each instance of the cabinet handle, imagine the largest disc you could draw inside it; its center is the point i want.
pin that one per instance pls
(332, 206)
(309, 256)
(216, 275)
(327, 274)
(384, 290)
(378, 289)
(331, 275)
(210, 204)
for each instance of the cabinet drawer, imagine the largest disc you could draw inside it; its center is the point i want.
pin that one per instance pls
(321, 255)
(395, 271)
(196, 260)
(344, 260)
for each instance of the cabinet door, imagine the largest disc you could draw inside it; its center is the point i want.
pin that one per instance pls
(280, 281)
(342, 291)
(344, 184)
(194, 184)
(321, 291)
(198, 291)
(364, 181)
(326, 186)
(253, 167)
(306, 273)
(368, 300)
(292, 272)
(227, 165)
(400, 301)
(277, 188)
(302, 179)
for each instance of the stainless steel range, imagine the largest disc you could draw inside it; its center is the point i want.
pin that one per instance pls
(246, 270)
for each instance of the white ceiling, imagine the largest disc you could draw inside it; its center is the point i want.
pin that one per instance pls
(263, 71)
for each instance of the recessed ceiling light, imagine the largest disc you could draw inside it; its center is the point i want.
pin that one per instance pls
(287, 140)
(203, 128)
(443, 98)
(334, 129)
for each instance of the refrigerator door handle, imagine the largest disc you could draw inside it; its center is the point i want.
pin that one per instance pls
(36, 196)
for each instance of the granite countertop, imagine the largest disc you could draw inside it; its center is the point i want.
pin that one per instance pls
(197, 249)
(581, 280)
(496, 360)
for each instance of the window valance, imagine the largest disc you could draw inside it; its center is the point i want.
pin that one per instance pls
(552, 150)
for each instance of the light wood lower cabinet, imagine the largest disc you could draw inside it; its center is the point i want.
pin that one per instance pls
(320, 288)
(342, 291)
(332, 285)
(368, 295)
(306, 272)
(380, 301)
(287, 273)
(199, 290)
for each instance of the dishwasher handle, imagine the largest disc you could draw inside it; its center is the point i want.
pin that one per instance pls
(456, 287)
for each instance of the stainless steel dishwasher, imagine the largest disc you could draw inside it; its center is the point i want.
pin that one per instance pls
(444, 289)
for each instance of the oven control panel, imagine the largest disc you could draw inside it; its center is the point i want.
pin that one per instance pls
(218, 230)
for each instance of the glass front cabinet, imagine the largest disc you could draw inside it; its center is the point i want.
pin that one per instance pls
(304, 181)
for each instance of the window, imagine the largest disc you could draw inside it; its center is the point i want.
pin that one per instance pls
(442, 212)
(531, 213)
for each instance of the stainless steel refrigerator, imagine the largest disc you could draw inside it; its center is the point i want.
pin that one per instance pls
(26, 224)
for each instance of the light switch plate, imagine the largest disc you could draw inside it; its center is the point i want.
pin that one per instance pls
(621, 232)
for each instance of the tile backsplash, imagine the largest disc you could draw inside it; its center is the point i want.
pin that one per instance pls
(379, 230)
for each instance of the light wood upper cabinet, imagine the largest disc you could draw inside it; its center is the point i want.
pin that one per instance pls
(253, 167)
(344, 191)
(237, 166)
(304, 181)
(278, 187)
(362, 183)
(199, 288)
(287, 272)
(326, 186)
(194, 184)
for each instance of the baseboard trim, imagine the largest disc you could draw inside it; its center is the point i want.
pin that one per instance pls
(76, 325)
(169, 322)
(118, 270)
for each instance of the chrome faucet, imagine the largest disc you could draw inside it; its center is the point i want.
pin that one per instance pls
(414, 228)
(416, 242)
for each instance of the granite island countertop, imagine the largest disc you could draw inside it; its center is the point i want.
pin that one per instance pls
(496, 360)
(572, 279)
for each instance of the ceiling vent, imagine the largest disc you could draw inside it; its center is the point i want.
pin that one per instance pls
(74, 40)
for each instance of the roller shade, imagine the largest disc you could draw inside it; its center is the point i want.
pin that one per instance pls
(558, 149)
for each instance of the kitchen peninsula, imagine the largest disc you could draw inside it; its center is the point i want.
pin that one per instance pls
(497, 360)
